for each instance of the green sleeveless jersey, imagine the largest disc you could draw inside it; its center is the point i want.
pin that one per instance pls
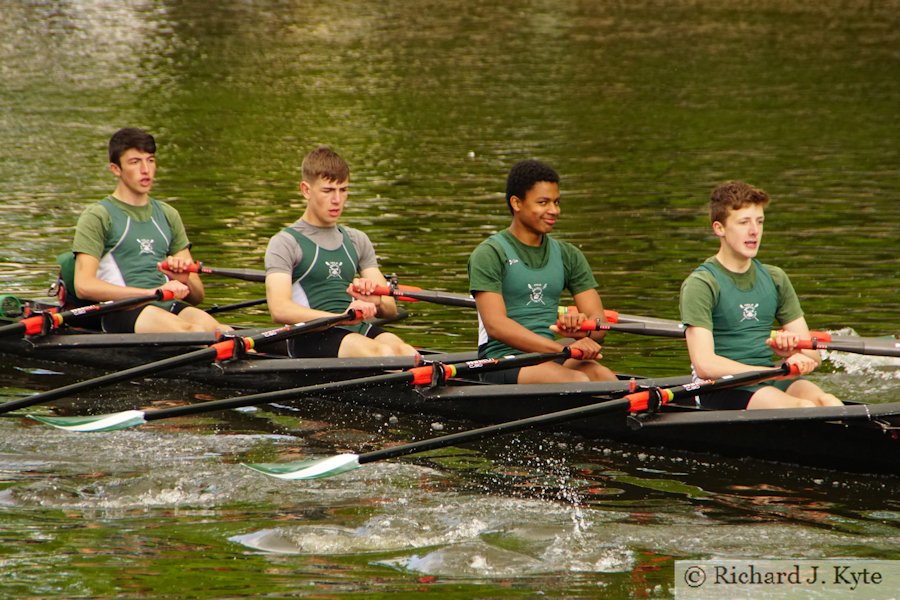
(743, 319)
(321, 278)
(531, 296)
(131, 248)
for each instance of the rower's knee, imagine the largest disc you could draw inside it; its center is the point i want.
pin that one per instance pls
(829, 400)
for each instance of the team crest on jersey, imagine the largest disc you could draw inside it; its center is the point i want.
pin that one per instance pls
(512, 261)
(537, 293)
(749, 312)
(146, 245)
(334, 269)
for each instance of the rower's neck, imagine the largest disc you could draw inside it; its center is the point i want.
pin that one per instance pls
(526, 236)
(735, 264)
(123, 194)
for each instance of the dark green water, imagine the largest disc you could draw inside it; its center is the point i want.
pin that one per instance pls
(642, 106)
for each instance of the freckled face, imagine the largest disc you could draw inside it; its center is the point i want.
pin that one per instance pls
(742, 231)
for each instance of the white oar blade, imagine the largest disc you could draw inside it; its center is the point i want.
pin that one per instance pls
(90, 423)
(309, 469)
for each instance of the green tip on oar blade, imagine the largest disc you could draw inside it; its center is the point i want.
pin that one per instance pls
(90, 423)
(309, 469)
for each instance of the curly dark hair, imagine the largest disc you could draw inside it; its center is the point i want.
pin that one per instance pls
(522, 177)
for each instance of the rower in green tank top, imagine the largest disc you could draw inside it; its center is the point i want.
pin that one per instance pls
(730, 303)
(517, 278)
(316, 268)
(120, 240)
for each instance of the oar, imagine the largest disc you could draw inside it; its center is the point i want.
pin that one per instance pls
(245, 274)
(236, 306)
(672, 329)
(634, 402)
(48, 321)
(222, 350)
(409, 293)
(422, 375)
(821, 340)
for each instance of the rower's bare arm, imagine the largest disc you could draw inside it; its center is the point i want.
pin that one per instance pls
(707, 364)
(90, 287)
(281, 304)
(492, 310)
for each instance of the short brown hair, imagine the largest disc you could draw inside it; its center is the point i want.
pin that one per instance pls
(734, 195)
(127, 138)
(325, 163)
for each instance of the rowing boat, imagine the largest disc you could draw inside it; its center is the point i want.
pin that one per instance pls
(856, 437)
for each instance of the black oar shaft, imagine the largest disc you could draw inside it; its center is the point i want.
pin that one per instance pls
(236, 306)
(111, 378)
(632, 402)
(868, 347)
(278, 395)
(220, 350)
(416, 375)
(35, 325)
(245, 274)
(446, 298)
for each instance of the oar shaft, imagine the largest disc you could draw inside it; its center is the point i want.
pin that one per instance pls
(415, 376)
(868, 347)
(245, 274)
(634, 402)
(35, 325)
(111, 378)
(218, 351)
(675, 330)
(236, 306)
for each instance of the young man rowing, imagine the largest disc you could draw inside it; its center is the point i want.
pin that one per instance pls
(120, 240)
(316, 268)
(517, 278)
(730, 302)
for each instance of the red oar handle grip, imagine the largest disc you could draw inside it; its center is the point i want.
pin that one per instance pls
(35, 325)
(385, 290)
(792, 371)
(165, 295)
(354, 314)
(194, 268)
(576, 353)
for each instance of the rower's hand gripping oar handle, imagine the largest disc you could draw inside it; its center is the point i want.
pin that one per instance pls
(396, 291)
(196, 267)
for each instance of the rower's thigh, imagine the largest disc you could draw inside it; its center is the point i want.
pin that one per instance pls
(550, 372)
(202, 319)
(594, 370)
(803, 388)
(154, 319)
(398, 346)
(771, 397)
(357, 345)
